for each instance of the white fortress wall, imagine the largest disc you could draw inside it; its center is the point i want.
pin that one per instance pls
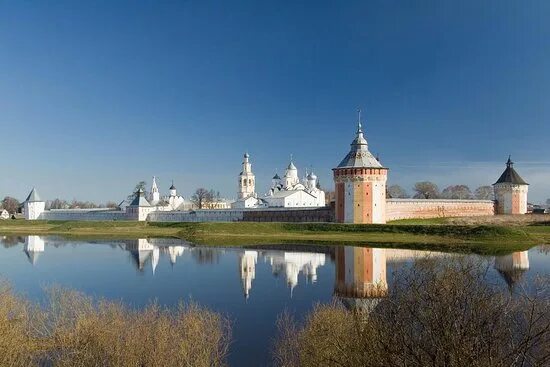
(221, 215)
(83, 214)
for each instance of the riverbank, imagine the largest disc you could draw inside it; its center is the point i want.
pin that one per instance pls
(420, 235)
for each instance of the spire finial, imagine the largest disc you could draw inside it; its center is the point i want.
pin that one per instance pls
(291, 157)
(359, 126)
(509, 163)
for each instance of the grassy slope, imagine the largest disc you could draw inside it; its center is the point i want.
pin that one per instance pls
(419, 234)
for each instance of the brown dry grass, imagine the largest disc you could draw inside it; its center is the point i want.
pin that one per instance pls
(436, 314)
(73, 330)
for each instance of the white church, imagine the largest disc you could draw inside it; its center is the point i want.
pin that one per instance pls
(286, 192)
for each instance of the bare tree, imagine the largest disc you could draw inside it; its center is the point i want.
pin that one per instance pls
(111, 205)
(57, 204)
(397, 192)
(10, 204)
(484, 193)
(426, 190)
(438, 313)
(456, 192)
(141, 185)
(201, 197)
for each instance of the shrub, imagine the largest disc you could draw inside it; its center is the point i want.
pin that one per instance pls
(437, 313)
(72, 329)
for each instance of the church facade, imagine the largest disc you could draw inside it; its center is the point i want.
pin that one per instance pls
(286, 192)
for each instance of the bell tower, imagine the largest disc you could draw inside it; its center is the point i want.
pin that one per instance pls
(247, 180)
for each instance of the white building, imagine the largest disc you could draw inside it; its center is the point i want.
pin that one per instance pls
(290, 192)
(33, 205)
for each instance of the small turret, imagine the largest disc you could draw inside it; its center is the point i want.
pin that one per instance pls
(33, 205)
(511, 191)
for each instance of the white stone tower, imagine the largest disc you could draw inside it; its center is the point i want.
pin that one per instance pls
(33, 205)
(154, 196)
(247, 180)
(511, 191)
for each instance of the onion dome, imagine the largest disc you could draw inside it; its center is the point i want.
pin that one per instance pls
(311, 176)
(276, 177)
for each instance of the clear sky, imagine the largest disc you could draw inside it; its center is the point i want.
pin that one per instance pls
(96, 96)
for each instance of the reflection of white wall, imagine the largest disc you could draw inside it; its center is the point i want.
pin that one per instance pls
(34, 246)
(292, 263)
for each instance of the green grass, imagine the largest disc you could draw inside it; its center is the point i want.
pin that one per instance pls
(432, 235)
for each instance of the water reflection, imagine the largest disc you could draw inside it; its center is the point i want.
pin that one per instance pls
(512, 267)
(34, 246)
(360, 272)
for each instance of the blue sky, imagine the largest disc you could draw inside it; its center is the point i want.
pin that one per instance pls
(95, 96)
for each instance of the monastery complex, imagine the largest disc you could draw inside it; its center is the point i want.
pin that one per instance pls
(360, 197)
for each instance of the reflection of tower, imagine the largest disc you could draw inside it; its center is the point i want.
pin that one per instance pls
(34, 246)
(140, 250)
(360, 276)
(512, 266)
(247, 269)
(155, 259)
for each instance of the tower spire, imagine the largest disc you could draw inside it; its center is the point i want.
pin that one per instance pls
(509, 163)
(359, 125)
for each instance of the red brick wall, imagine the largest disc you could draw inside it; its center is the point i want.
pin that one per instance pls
(413, 208)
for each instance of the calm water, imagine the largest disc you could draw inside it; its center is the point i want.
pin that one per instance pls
(251, 286)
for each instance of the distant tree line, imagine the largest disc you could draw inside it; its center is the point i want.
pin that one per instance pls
(429, 190)
(77, 204)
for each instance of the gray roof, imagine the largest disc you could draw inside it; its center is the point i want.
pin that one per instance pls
(33, 196)
(359, 155)
(510, 175)
(139, 199)
(276, 177)
(291, 165)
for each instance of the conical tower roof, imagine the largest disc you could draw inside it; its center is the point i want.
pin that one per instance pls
(510, 175)
(139, 199)
(33, 196)
(359, 155)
